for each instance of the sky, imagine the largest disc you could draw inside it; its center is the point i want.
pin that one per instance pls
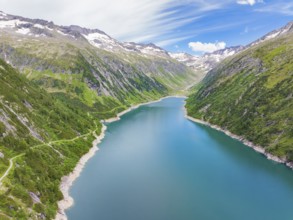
(192, 26)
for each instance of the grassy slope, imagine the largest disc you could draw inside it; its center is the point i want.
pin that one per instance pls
(40, 166)
(251, 96)
(58, 107)
(75, 67)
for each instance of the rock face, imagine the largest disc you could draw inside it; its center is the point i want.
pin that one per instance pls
(108, 67)
(250, 94)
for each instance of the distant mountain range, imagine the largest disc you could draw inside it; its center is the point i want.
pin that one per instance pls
(40, 28)
(209, 60)
(108, 67)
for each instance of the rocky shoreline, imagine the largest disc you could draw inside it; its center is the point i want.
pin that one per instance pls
(257, 148)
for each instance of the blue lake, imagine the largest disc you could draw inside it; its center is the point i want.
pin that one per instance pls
(154, 164)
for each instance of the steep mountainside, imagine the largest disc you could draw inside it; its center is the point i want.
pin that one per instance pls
(42, 137)
(250, 94)
(88, 64)
(56, 84)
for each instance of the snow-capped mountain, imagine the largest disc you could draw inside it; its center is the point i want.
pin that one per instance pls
(108, 67)
(36, 28)
(207, 61)
(273, 34)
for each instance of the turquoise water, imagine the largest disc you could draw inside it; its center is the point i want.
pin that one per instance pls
(154, 164)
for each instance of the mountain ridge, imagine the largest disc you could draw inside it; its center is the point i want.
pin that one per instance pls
(59, 84)
(250, 95)
(78, 32)
(54, 56)
(208, 61)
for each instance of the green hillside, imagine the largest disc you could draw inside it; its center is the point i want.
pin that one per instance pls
(45, 134)
(250, 94)
(52, 101)
(74, 67)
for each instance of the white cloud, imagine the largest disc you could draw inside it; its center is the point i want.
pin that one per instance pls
(282, 7)
(249, 2)
(171, 41)
(126, 20)
(206, 47)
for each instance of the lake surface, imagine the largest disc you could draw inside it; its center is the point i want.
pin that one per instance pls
(154, 164)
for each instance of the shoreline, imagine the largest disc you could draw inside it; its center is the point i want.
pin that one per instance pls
(257, 148)
(117, 118)
(68, 180)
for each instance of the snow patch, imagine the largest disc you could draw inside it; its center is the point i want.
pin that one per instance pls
(151, 50)
(23, 31)
(271, 36)
(62, 33)
(39, 26)
(98, 36)
(11, 23)
(103, 41)
(50, 29)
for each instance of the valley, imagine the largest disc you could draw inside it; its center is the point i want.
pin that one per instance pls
(60, 84)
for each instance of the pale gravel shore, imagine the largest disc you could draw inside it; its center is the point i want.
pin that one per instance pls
(67, 181)
(257, 148)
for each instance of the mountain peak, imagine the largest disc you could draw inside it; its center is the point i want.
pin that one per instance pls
(36, 28)
(288, 28)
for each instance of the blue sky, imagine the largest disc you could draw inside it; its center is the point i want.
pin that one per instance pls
(193, 26)
(234, 24)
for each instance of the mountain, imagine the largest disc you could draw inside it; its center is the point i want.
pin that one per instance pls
(42, 137)
(273, 34)
(56, 84)
(250, 94)
(87, 63)
(202, 64)
(208, 61)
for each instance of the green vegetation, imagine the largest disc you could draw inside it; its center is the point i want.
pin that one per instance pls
(48, 115)
(51, 107)
(48, 133)
(251, 96)
(82, 71)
